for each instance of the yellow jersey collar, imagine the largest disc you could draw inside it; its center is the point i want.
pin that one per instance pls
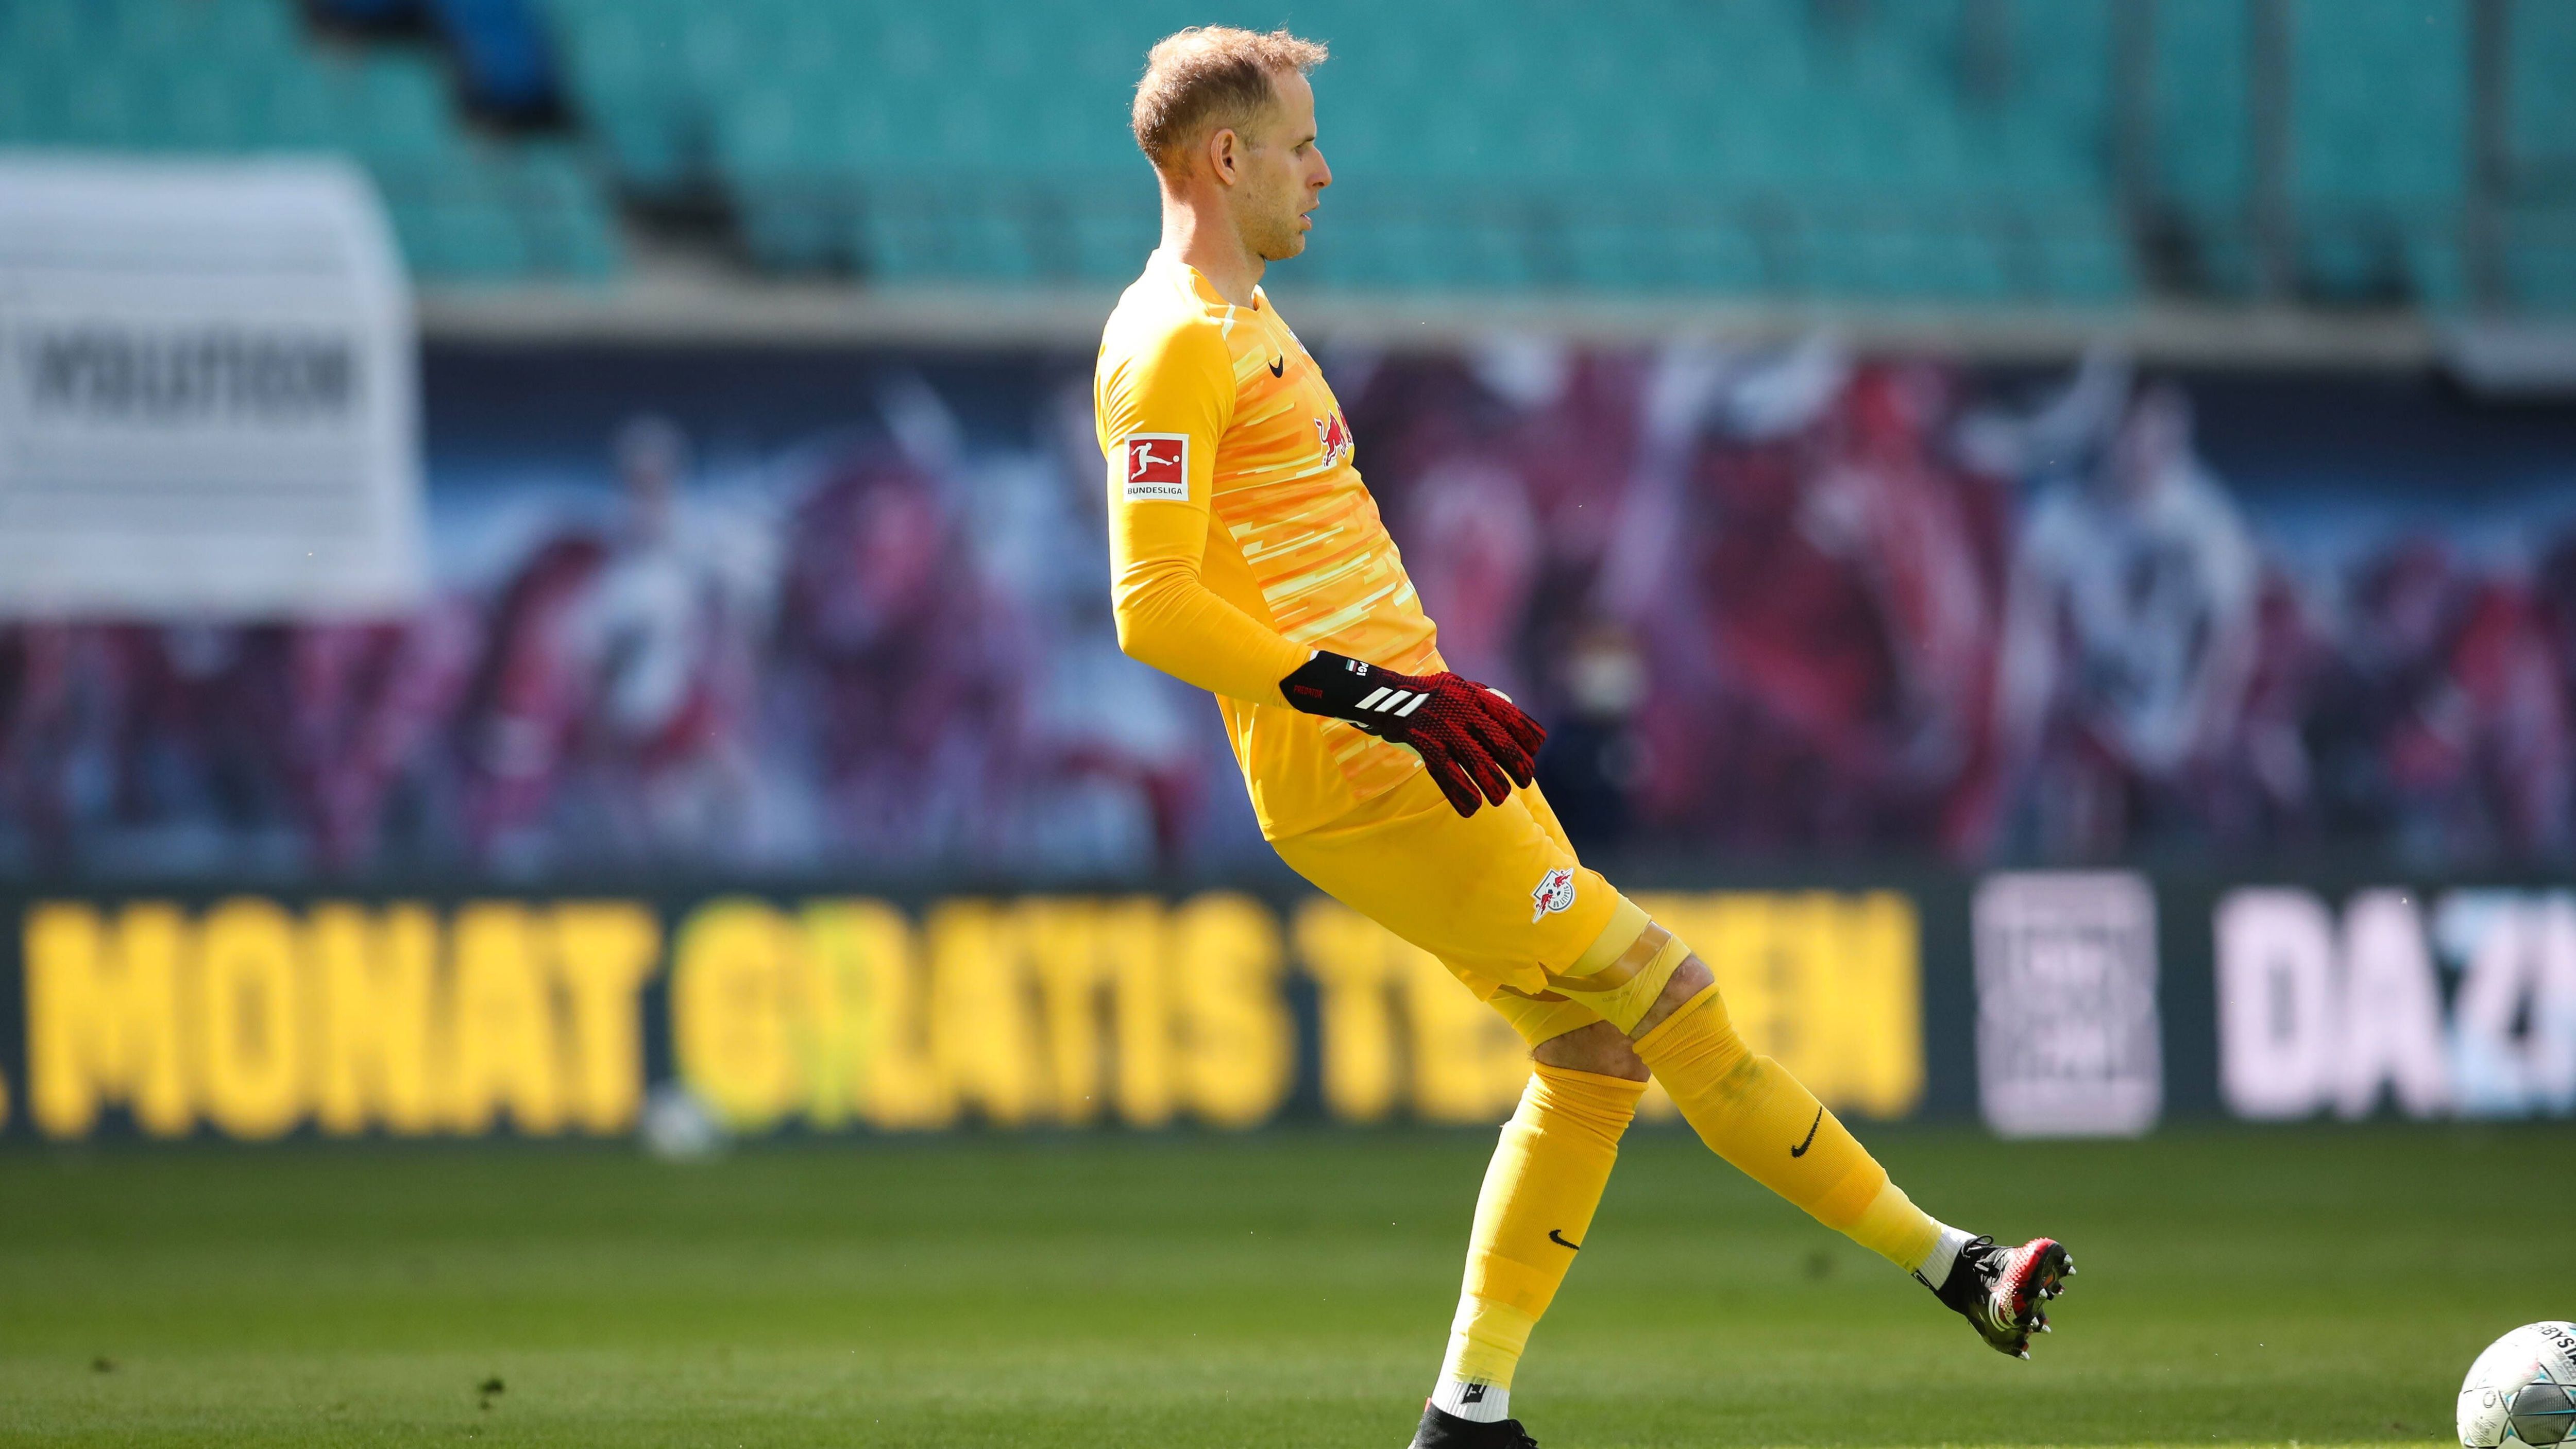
(1197, 284)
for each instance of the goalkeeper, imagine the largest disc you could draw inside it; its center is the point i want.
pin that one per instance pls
(1248, 559)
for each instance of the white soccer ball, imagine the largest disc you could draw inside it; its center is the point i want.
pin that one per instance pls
(2522, 1390)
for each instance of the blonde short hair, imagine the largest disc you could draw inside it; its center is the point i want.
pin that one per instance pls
(1211, 75)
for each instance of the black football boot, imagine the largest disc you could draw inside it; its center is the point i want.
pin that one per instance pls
(1442, 1430)
(1999, 1290)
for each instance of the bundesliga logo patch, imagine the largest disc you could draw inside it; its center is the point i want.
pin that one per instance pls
(1554, 892)
(1158, 467)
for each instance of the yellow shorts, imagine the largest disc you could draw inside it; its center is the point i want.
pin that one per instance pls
(1498, 896)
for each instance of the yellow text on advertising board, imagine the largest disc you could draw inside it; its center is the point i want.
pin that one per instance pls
(257, 1019)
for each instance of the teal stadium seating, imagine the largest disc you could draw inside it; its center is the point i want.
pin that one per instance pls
(2379, 166)
(2378, 171)
(1861, 151)
(2203, 143)
(185, 76)
(1869, 150)
(2540, 226)
(1634, 145)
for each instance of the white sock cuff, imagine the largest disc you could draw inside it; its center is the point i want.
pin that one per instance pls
(1477, 1403)
(1945, 1256)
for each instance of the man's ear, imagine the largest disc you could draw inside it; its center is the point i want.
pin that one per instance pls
(1225, 154)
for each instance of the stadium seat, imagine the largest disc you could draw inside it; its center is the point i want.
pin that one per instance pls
(503, 60)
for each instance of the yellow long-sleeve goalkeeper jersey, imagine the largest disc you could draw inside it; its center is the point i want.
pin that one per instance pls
(1241, 538)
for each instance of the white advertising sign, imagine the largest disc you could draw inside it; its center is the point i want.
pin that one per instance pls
(2317, 1012)
(207, 402)
(2069, 1043)
(2512, 1037)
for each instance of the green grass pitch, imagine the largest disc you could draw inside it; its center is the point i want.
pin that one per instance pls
(2311, 1287)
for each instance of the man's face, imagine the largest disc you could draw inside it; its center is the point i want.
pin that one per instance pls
(1282, 173)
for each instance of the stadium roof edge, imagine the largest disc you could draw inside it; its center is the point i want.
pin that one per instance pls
(734, 312)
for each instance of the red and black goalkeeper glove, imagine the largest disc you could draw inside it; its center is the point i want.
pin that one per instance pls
(1477, 743)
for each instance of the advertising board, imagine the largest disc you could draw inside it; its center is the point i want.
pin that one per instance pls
(207, 393)
(2048, 1004)
(2068, 1038)
(249, 1016)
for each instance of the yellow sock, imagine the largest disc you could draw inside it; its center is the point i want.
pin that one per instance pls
(1759, 1118)
(1540, 1192)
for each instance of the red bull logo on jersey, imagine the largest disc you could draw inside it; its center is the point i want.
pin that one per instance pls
(1335, 436)
(1553, 893)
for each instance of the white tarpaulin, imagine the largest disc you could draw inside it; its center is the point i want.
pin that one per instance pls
(207, 400)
